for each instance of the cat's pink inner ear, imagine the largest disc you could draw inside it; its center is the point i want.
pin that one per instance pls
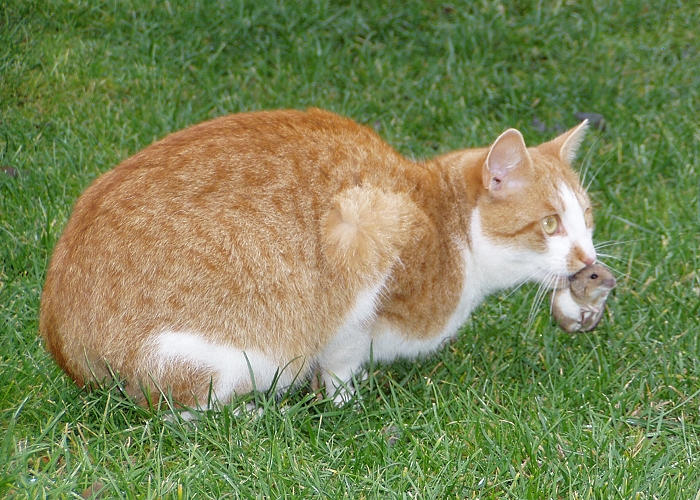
(506, 163)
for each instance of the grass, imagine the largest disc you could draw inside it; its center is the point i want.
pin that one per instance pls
(506, 411)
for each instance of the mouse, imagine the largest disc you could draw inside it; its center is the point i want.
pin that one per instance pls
(579, 306)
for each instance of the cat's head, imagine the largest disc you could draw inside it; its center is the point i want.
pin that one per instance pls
(534, 217)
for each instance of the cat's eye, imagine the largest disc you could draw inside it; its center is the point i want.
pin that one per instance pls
(588, 217)
(550, 224)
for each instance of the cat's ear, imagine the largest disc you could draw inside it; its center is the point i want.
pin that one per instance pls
(566, 145)
(507, 164)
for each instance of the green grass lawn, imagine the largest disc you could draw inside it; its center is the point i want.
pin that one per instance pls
(512, 409)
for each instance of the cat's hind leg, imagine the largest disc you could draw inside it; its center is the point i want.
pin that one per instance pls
(222, 370)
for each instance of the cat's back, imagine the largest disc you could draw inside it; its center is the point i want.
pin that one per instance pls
(259, 175)
(240, 153)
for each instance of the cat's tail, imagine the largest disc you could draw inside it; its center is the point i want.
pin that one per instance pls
(365, 230)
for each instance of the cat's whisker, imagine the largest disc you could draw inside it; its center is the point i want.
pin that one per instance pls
(605, 244)
(552, 284)
(620, 274)
(516, 288)
(586, 161)
(541, 289)
(538, 291)
(609, 256)
(533, 309)
(551, 303)
(542, 294)
(595, 174)
(525, 281)
(544, 286)
(609, 243)
(634, 224)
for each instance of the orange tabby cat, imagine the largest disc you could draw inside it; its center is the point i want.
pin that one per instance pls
(254, 248)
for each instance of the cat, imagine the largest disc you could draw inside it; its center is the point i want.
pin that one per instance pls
(256, 248)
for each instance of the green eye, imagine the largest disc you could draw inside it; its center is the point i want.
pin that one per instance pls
(550, 224)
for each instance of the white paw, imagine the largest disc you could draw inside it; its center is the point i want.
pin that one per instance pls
(249, 410)
(185, 416)
(342, 391)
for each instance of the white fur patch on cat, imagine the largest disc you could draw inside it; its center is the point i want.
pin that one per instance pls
(391, 344)
(574, 222)
(349, 348)
(493, 267)
(234, 368)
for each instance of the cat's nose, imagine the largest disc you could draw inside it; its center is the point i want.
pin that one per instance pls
(587, 253)
(583, 256)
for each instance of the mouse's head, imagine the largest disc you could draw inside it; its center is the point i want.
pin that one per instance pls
(592, 282)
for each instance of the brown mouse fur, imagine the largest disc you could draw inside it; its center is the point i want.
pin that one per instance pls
(579, 307)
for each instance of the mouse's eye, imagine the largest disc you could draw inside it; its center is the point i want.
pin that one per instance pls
(594, 276)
